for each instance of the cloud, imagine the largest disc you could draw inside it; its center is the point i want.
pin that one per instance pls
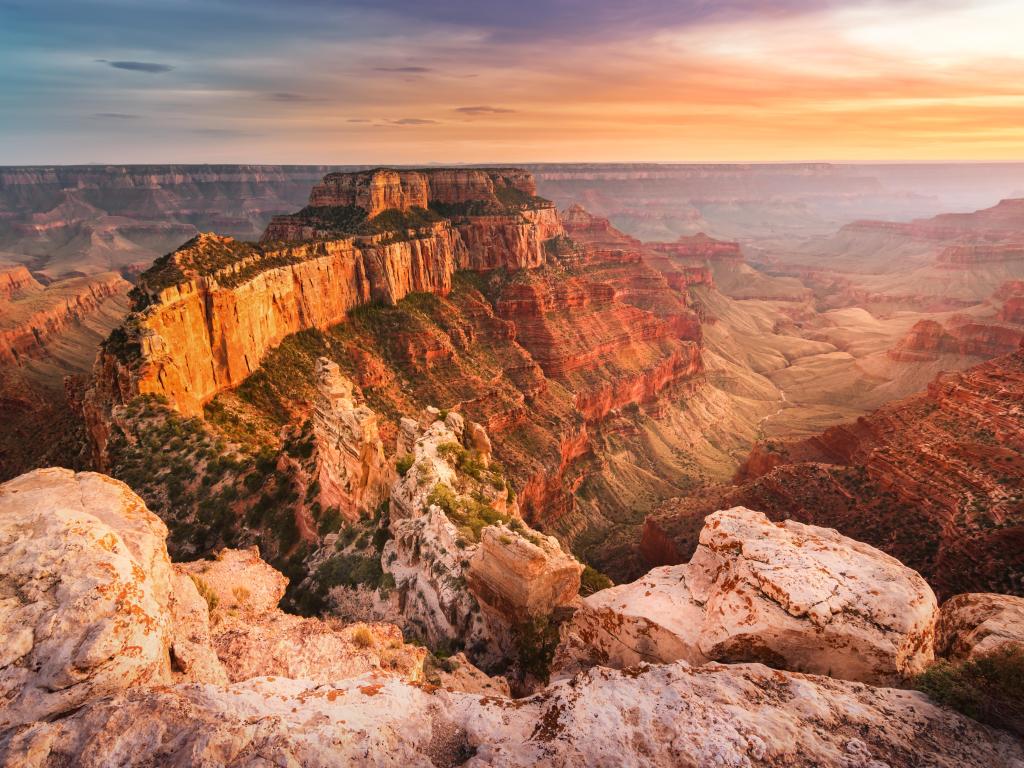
(292, 97)
(412, 121)
(483, 110)
(405, 70)
(357, 120)
(151, 67)
(116, 116)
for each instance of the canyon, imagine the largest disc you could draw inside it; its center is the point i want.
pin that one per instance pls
(421, 449)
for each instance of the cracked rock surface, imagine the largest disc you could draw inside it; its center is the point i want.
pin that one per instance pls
(793, 596)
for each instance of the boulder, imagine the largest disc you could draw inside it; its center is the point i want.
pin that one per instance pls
(193, 658)
(793, 596)
(521, 573)
(238, 578)
(84, 590)
(672, 715)
(285, 645)
(978, 623)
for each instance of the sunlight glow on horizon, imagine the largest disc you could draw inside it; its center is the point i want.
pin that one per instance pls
(878, 81)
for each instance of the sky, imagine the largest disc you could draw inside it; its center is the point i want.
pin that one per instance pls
(415, 81)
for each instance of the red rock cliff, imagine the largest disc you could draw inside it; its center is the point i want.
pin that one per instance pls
(209, 312)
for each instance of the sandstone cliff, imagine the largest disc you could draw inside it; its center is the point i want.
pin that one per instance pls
(207, 314)
(31, 315)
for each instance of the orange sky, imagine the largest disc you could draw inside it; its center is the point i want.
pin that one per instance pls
(856, 81)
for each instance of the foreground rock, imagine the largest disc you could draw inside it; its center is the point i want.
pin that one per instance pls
(976, 624)
(793, 596)
(673, 715)
(252, 636)
(90, 604)
(84, 583)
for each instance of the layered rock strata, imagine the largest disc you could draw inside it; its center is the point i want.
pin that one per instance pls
(352, 472)
(33, 316)
(933, 480)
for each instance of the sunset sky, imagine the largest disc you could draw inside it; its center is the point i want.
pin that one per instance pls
(413, 81)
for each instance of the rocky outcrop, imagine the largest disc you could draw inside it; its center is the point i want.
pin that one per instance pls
(16, 281)
(928, 339)
(383, 189)
(85, 587)
(976, 624)
(654, 716)
(522, 576)
(793, 596)
(211, 330)
(207, 314)
(238, 578)
(468, 570)
(1000, 222)
(699, 247)
(969, 256)
(251, 636)
(353, 474)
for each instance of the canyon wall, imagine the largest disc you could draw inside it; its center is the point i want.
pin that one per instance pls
(33, 315)
(934, 480)
(207, 314)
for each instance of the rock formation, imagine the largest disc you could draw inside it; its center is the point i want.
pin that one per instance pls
(468, 569)
(111, 670)
(975, 624)
(207, 314)
(86, 583)
(352, 471)
(794, 596)
(384, 189)
(253, 637)
(32, 315)
(929, 339)
(522, 575)
(654, 716)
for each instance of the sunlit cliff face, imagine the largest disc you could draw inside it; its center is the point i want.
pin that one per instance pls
(398, 82)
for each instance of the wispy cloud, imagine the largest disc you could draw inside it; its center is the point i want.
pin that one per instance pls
(292, 97)
(116, 116)
(412, 121)
(404, 70)
(483, 110)
(150, 67)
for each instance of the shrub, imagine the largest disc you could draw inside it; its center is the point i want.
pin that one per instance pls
(989, 688)
(404, 463)
(592, 580)
(205, 592)
(362, 637)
